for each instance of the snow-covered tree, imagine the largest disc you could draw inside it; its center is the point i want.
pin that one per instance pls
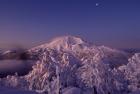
(68, 65)
(132, 72)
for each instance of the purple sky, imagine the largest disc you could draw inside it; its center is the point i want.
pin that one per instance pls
(27, 23)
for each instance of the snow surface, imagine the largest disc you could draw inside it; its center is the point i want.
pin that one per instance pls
(69, 65)
(4, 90)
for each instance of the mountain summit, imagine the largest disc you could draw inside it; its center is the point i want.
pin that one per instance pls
(65, 42)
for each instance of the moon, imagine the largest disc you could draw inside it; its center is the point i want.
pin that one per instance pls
(97, 4)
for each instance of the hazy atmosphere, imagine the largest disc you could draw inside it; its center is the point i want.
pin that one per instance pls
(27, 23)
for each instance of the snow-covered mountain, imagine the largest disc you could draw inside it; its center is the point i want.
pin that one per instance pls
(70, 65)
(78, 47)
(64, 43)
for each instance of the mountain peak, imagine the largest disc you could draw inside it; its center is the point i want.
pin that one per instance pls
(64, 42)
(71, 40)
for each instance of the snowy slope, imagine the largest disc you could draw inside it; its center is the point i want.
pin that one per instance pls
(70, 65)
(65, 42)
(78, 47)
(5, 90)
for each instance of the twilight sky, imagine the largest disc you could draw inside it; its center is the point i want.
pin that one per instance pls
(27, 23)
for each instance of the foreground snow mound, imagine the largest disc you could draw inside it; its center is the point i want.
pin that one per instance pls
(69, 65)
(4, 90)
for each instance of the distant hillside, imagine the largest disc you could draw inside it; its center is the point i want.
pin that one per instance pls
(132, 50)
